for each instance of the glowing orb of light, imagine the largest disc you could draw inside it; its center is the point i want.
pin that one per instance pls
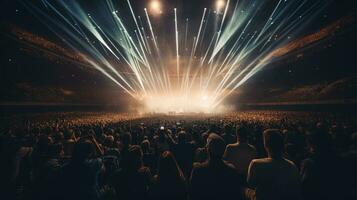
(220, 4)
(178, 103)
(155, 7)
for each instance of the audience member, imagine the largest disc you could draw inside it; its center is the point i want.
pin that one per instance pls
(94, 156)
(79, 178)
(184, 152)
(133, 180)
(240, 154)
(215, 179)
(321, 172)
(274, 177)
(169, 183)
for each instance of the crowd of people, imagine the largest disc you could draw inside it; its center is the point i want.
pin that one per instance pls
(242, 155)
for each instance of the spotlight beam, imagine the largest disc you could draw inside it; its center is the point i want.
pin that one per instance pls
(177, 48)
(224, 53)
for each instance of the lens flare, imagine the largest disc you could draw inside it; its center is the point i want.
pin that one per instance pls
(220, 4)
(155, 7)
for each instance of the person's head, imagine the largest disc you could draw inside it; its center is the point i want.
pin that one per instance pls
(126, 139)
(228, 129)
(214, 128)
(135, 158)
(108, 141)
(83, 150)
(91, 132)
(181, 137)
(274, 143)
(168, 169)
(242, 134)
(145, 146)
(291, 150)
(44, 141)
(55, 150)
(68, 134)
(318, 141)
(161, 135)
(58, 137)
(353, 141)
(215, 146)
(204, 137)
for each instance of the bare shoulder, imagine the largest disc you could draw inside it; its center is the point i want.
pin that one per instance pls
(198, 166)
(229, 146)
(290, 163)
(229, 165)
(232, 146)
(252, 147)
(260, 161)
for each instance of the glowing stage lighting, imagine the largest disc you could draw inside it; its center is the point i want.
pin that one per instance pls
(155, 7)
(195, 72)
(177, 103)
(220, 4)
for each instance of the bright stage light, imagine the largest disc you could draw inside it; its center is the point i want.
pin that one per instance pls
(220, 4)
(220, 57)
(178, 103)
(155, 7)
